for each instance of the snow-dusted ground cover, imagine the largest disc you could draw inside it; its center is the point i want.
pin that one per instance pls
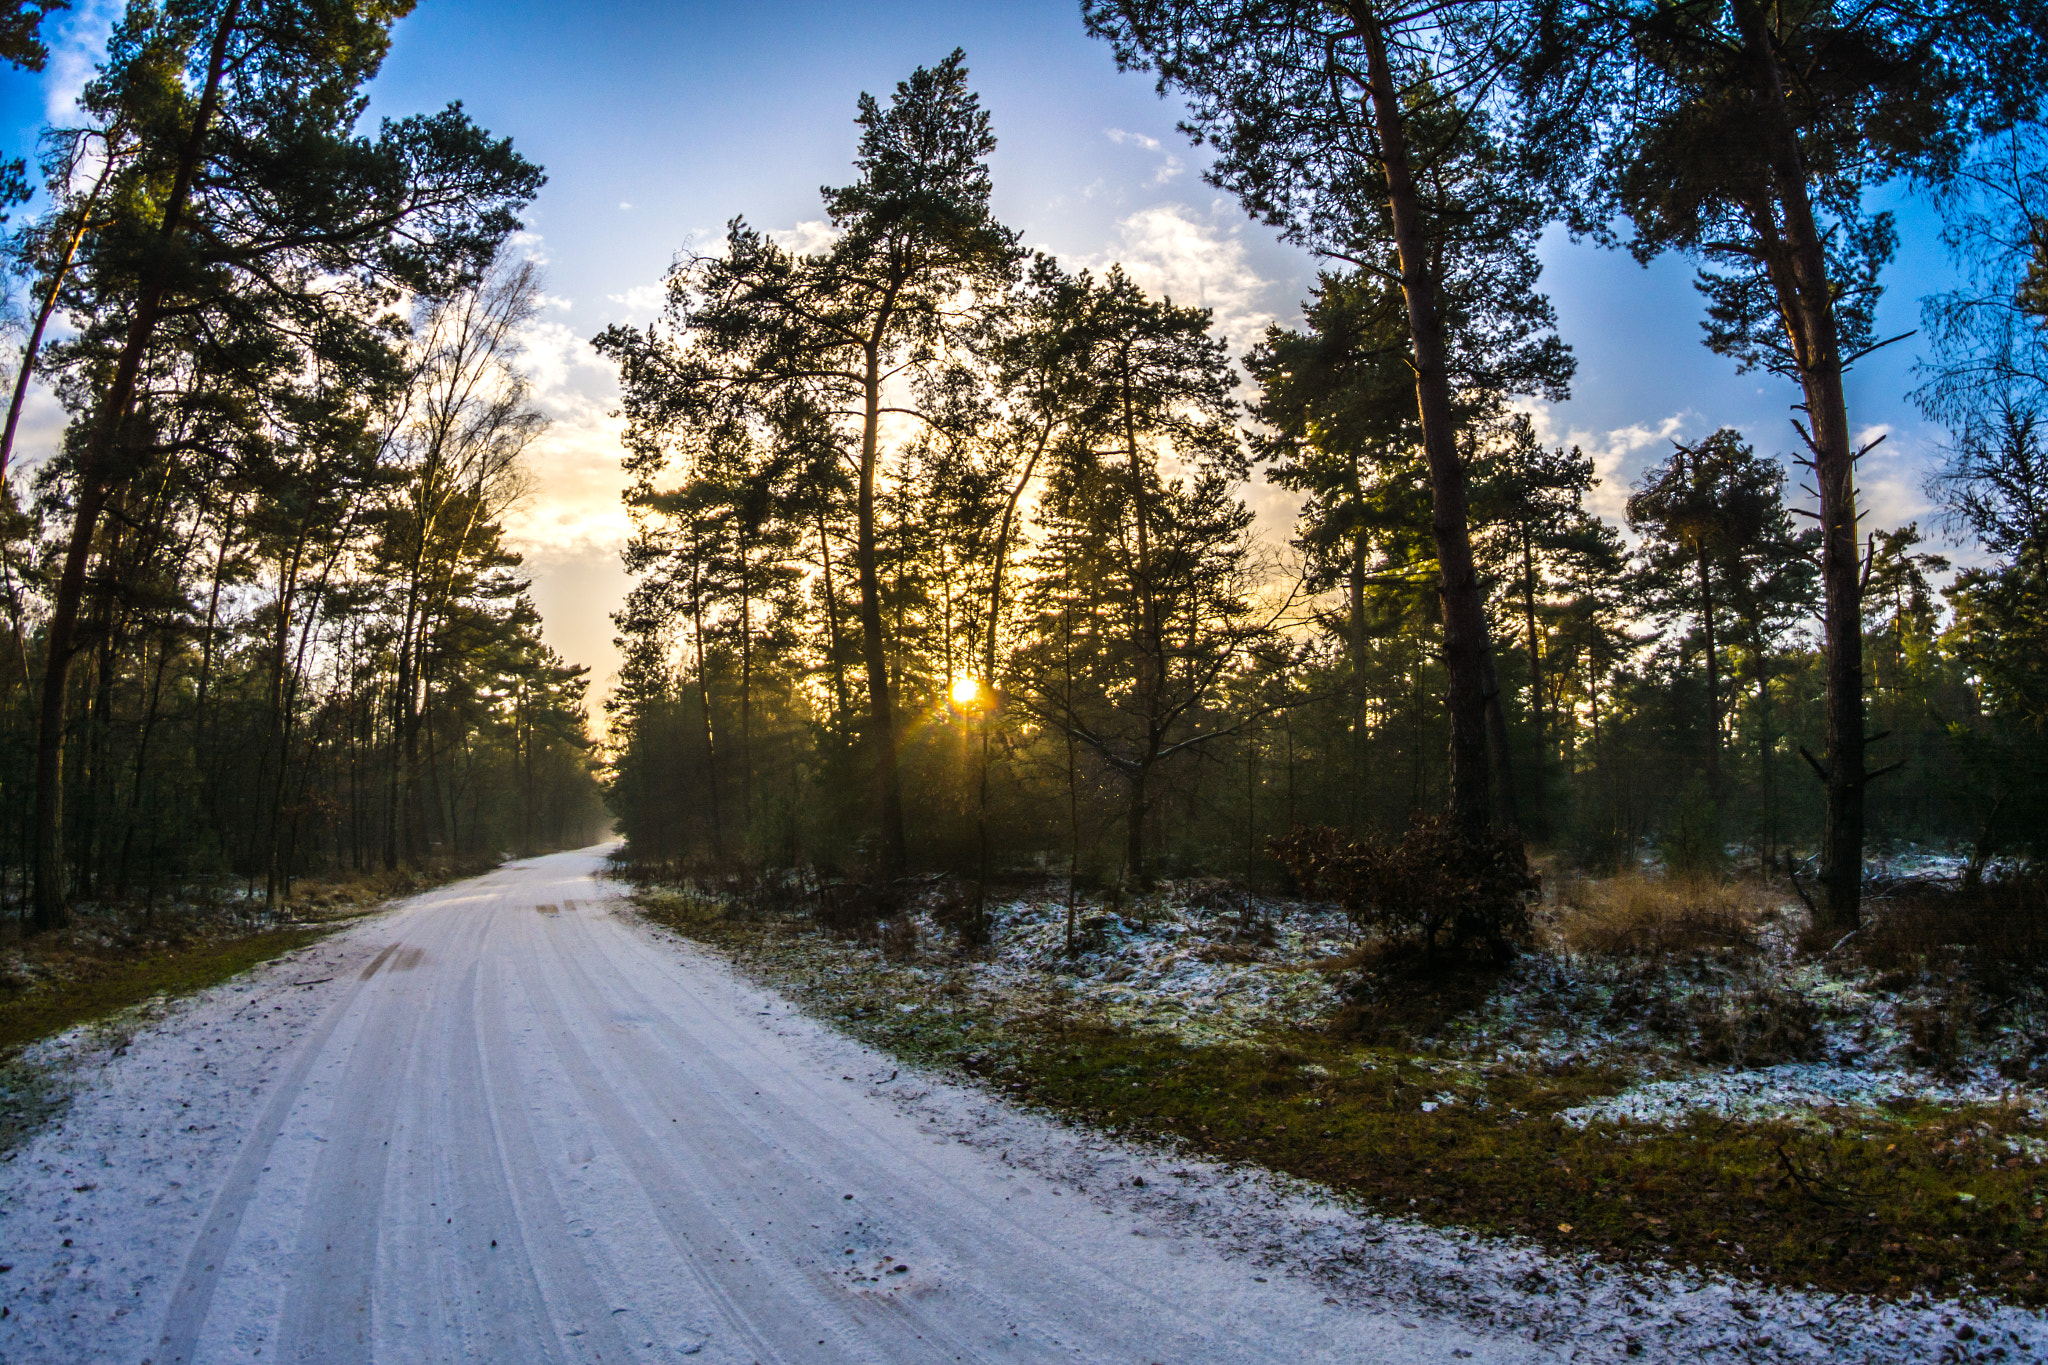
(1202, 969)
(1574, 1306)
(1694, 1036)
(1743, 1028)
(1795, 1091)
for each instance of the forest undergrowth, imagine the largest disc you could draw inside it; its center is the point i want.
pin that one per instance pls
(1670, 1073)
(115, 954)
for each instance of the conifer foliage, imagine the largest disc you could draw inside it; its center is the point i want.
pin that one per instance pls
(260, 598)
(946, 560)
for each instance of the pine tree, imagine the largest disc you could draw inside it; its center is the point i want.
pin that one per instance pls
(1161, 562)
(913, 274)
(1334, 123)
(1746, 136)
(1719, 556)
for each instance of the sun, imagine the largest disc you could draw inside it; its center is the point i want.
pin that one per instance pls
(966, 690)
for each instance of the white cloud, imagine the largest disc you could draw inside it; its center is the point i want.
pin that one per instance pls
(1170, 166)
(624, 205)
(41, 431)
(642, 300)
(813, 237)
(1619, 454)
(1891, 478)
(575, 464)
(1168, 249)
(529, 245)
(572, 525)
(77, 39)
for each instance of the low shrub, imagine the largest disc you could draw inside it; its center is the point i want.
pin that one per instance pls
(1940, 1030)
(1439, 888)
(1995, 932)
(1759, 1027)
(961, 908)
(855, 910)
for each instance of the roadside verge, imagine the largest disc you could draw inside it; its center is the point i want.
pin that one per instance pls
(1917, 1202)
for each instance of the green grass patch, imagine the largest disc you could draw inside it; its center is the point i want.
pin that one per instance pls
(102, 987)
(1918, 1198)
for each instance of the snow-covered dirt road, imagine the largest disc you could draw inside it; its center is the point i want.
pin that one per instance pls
(508, 1122)
(505, 1123)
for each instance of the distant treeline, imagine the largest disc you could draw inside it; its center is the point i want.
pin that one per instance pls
(261, 619)
(943, 553)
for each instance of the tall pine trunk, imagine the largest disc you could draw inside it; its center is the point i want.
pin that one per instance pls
(838, 656)
(1151, 651)
(97, 474)
(1713, 656)
(704, 701)
(1465, 642)
(1795, 256)
(874, 647)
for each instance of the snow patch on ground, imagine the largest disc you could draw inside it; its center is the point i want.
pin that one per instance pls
(1794, 1091)
(1176, 967)
(1212, 965)
(97, 1209)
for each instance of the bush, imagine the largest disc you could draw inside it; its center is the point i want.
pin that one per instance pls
(1995, 933)
(1440, 887)
(1756, 1028)
(855, 910)
(962, 908)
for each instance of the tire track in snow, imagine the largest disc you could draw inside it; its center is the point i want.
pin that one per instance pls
(665, 1176)
(193, 1296)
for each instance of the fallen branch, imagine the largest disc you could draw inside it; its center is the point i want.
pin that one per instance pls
(1810, 1189)
(1811, 908)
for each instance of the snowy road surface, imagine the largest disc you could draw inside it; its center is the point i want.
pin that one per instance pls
(508, 1122)
(517, 1126)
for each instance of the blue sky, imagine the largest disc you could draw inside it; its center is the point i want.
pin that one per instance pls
(658, 122)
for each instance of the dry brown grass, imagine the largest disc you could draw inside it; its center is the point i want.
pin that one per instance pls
(1634, 915)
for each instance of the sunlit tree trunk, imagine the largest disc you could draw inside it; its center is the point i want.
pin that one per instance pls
(874, 645)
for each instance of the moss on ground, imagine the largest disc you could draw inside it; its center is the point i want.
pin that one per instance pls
(95, 989)
(1919, 1198)
(117, 955)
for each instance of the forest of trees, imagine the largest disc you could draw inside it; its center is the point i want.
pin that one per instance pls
(944, 558)
(261, 618)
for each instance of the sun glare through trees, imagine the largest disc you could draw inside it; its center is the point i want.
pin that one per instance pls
(985, 597)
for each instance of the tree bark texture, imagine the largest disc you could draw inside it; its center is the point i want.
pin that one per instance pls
(874, 647)
(1465, 637)
(1795, 256)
